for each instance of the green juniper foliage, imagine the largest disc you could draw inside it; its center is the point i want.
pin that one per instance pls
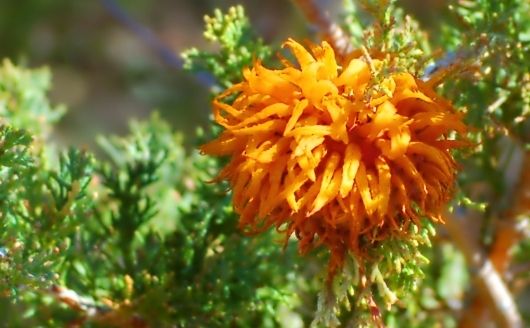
(238, 47)
(143, 213)
(141, 235)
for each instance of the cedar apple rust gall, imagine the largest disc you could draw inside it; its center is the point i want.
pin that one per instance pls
(322, 149)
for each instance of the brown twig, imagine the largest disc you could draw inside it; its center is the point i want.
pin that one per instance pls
(151, 40)
(489, 284)
(107, 316)
(509, 230)
(320, 19)
(508, 234)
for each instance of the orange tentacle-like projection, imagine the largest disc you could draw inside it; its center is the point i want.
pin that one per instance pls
(312, 154)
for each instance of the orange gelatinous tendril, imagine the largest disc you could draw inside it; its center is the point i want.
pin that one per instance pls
(312, 155)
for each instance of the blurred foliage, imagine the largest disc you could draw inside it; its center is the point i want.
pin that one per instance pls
(21, 89)
(140, 236)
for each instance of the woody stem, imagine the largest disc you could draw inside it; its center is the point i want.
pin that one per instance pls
(163, 51)
(488, 282)
(506, 236)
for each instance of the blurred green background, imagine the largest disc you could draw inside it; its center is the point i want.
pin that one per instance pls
(106, 75)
